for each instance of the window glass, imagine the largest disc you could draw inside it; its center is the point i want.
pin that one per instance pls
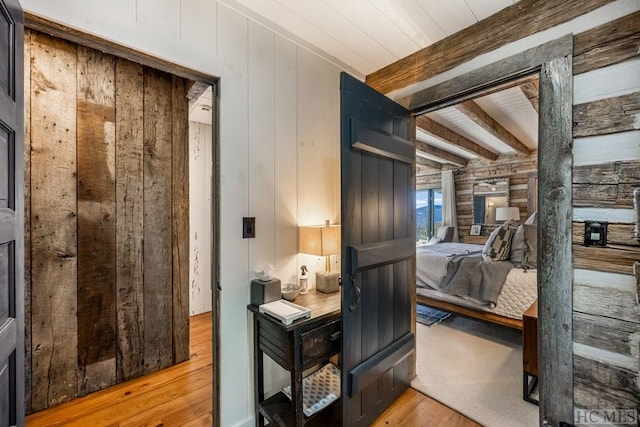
(428, 213)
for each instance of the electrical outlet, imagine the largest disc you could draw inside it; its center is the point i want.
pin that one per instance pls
(248, 227)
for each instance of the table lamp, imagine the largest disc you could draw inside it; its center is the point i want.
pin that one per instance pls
(507, 214)
(322, 241)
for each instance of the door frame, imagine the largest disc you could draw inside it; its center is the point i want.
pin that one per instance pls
(552, 61)
(202, 80)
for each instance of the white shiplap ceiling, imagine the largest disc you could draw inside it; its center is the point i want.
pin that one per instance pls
(365, 35)
(362, 36)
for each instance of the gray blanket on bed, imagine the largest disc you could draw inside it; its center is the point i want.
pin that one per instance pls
(471, 277)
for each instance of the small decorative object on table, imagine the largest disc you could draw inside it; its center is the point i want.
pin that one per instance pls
(475, 230)
(290, 291)
(304, 284)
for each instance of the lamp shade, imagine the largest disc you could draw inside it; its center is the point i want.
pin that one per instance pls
(319, 240)
(508, 213)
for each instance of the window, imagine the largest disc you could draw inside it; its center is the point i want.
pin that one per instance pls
(428, 213)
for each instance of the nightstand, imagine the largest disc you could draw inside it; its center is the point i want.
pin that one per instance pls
(296, 347)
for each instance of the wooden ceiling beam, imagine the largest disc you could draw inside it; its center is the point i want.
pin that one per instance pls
(488, 123)
(530, 90)
(505, 26)
(436, 129)
(440, 154)
(428, 163)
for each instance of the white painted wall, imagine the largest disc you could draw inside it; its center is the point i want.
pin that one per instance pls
(279, 135)
(200, 168)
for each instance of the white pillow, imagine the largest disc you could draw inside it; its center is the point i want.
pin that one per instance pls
(434, 240)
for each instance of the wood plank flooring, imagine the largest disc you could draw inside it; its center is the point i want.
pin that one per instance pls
(181, 396)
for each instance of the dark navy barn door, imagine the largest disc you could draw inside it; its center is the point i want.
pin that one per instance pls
(11, 215)
(378, 251)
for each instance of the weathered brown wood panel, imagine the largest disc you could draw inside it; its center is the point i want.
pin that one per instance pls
(157, 258)
(53, 232)
(129, 219)
(27, 218)
(96, 221)
(97, 189)
(601, 385)
(606, 301)
(610, 43)
(607, 333)
(614, 259)
(485, 36)
(607, 184)
(180, 219)
(607, 116)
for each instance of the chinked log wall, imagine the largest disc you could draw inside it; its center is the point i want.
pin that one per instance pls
(606, 63)
(107, 220)
(521, 171)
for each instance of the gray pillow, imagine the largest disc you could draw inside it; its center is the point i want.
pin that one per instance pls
(531, 242)
(517, 246)
(498, 246)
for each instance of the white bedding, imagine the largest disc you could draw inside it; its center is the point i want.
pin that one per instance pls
(517, 295)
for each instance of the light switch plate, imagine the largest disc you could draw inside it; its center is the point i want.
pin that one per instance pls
(248, 227)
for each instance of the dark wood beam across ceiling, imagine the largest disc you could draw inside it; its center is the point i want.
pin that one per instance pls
(440, 154)
(436, 129)
(488, 123)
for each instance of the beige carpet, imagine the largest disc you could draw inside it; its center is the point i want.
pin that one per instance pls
(476, 369)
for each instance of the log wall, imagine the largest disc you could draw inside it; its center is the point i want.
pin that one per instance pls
(606, 155)
(521, 171)
(107, 220)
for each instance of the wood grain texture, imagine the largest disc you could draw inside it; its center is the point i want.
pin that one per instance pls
(607, 116)
(96, 221)
(530, 90)
(436, 129)
(606, 333)
(607, 44)
(181, 396)
(615, 259)
(600, 385)
(606, 301)
(180, 218)
(555, 269)
(157, 258)
(177, 396)
(129, 219)
(502, 73)
(54, 222)
(606, 184)
(27, 219)
(525, 18)
(415, 409)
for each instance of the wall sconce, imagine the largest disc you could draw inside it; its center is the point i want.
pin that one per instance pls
(507, 214)
(322, 241)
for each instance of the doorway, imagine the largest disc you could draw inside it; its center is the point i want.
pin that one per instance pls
(476, 366)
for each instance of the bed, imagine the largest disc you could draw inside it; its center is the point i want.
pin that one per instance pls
(509, 293)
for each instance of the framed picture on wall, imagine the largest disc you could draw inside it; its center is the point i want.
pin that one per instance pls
(475, 230)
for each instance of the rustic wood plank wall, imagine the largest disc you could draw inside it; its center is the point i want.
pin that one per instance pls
(606, 62)
(518, 168)
(606, 317)
(108, 209)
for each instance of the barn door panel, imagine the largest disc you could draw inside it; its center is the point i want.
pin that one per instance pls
(378, 238)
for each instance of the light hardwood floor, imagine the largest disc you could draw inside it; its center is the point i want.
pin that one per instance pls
(181, 396)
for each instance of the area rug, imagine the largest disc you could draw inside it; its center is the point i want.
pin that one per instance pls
(476, 369)
(429, 316)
